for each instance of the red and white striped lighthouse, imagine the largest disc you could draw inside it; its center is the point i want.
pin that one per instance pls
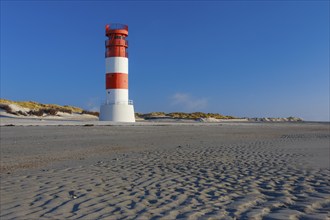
(117, 106)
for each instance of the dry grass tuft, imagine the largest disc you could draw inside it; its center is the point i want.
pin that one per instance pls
(36, 106)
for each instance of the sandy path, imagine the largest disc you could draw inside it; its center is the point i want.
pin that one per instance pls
(246, 171)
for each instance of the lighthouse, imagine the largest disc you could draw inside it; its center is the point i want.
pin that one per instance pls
(117, 106)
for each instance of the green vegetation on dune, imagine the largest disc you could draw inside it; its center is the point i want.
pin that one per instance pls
(183, 115)
(39, 109)
(37, 106)
(196, 115)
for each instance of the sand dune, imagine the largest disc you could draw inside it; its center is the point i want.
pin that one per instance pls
(224, 171)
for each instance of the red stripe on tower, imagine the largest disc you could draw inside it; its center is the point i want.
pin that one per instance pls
(116, 81)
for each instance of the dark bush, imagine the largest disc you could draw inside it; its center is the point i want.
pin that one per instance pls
(90, 113)
(65, 110)
(7, 109)
(138, 115)
(50, 111)
(39, 112)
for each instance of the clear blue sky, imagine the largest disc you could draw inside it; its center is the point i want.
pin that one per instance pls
(241, 58)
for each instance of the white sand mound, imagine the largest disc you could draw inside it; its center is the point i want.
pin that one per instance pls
(9, 112)
(288, 119)
(15, 108)
(215, 120)
(208, 120)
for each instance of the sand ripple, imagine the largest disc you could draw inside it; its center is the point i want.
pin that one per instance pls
(265, 179)
(202, 182)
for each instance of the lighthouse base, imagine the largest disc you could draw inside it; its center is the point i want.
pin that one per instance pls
(117, 113)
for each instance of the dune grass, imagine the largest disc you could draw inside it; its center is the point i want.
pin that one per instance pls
(184, 115)
(36, 106)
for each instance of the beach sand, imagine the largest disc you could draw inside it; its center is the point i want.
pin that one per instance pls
(166, 171)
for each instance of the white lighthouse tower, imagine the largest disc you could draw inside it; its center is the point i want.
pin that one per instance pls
(117, 107)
